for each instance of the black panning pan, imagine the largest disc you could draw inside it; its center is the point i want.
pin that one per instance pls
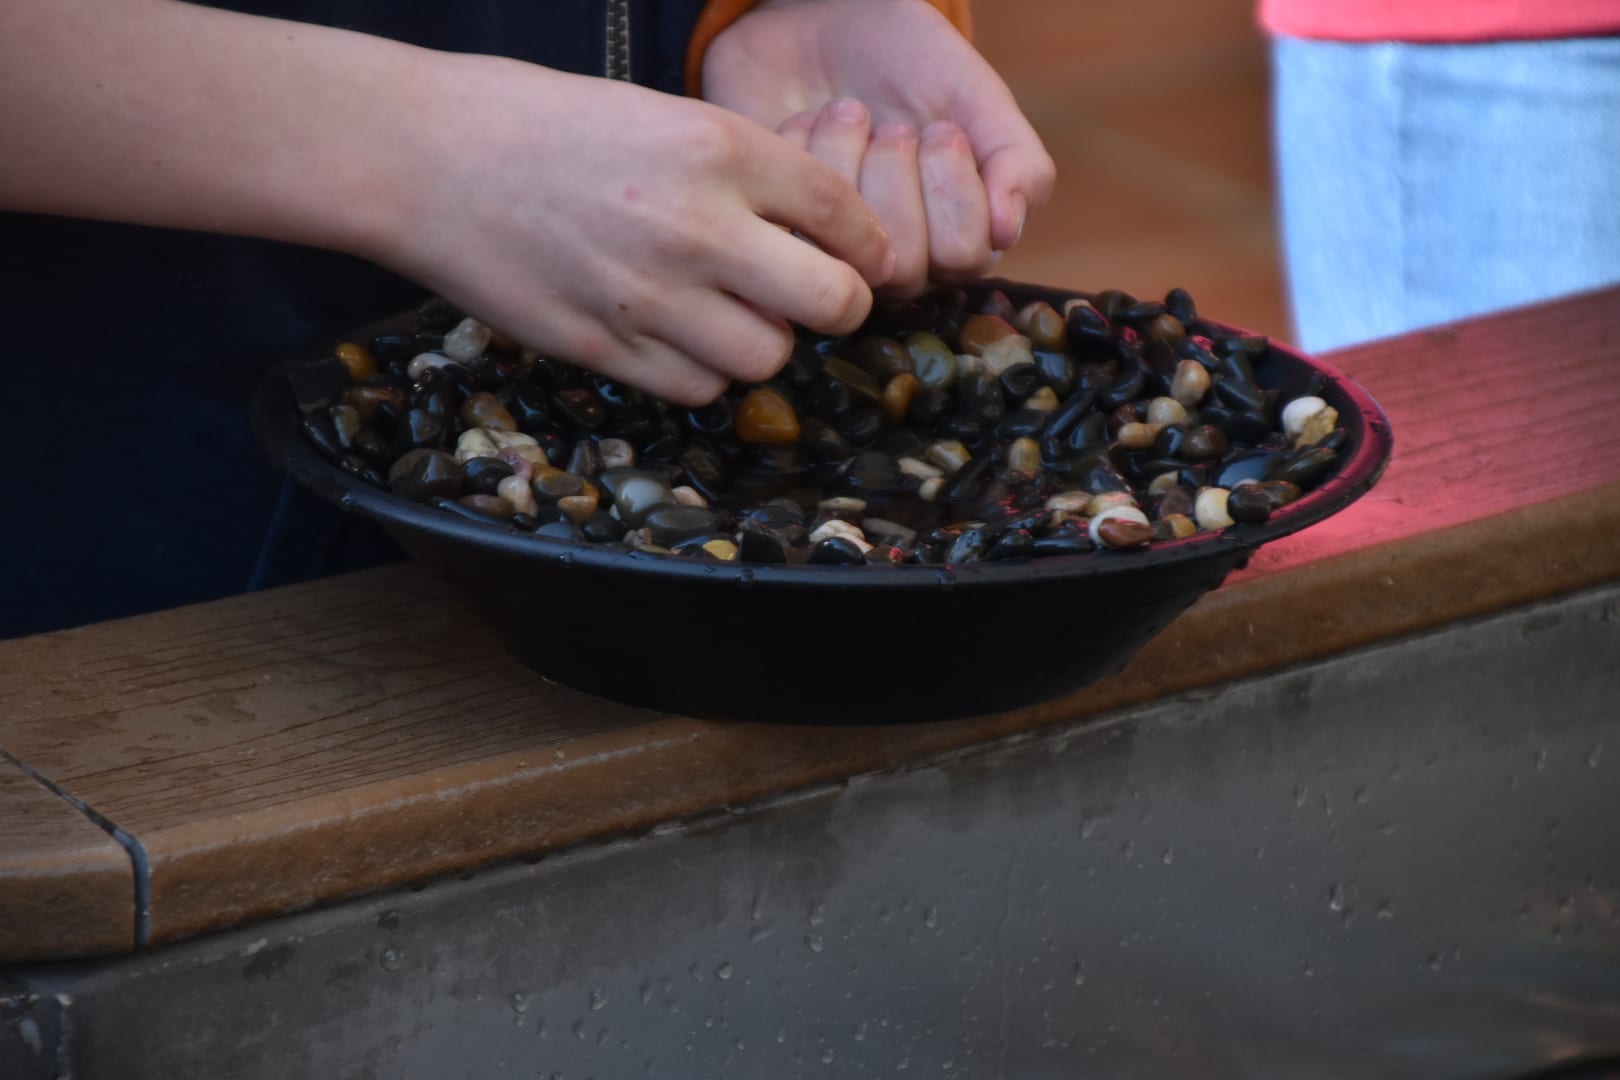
(827, 644)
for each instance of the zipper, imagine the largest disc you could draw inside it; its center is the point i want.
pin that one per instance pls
(617, 61)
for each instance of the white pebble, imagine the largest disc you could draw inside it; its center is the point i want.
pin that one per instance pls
(1190, 384)
(422, 363)
(911, 466)
(1163, 482)
(1166, 410)
(1005, 352)
(467, 341)
(688, 496)
(843, 502)
(1209, 509)
(948, 454)
(1126, 513)
(1073, 502)
(616, 453)
(475, 442)
(843, 530)
(888, 531)
(1108, 500)
(504, 439)
(930, 488)
(967, 364)
(1308, 419)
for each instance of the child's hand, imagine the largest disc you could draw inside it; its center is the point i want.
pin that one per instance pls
(892, 96)
(639, 234)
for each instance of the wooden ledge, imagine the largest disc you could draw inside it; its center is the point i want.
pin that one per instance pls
(66, 887)
(276, 751)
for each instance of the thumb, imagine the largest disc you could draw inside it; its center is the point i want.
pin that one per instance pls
(1018, 177)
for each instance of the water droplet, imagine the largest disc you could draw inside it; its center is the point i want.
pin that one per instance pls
(1385, 910)
(1300, 794)
(1128, 849)
(646, 991)
(818, 915)
(813, 942)
(1434, 962)
(599, 998)
(1335, 898)
(860, 1032)
(1305, 967)
(903, 1064)
(781, 1035)
(696, 971)
(1541, 759)
(579, 1028)
(1361, 795)
(827, 1056)
(1169, 855)
(391, 958)
(1595, 756)
(1079, 973)
(723, 970)
(520, 1003)
(602, 1039)
(930, 918)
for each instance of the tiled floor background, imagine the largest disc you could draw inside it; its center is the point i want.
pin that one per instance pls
(1156, 113)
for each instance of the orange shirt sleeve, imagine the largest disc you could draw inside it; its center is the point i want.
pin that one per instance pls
(719, 14)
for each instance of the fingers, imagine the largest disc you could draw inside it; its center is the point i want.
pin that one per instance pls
(725, 335)
(1018, 178)
(840, 136)
(797, 128)
(811, 197)
(891, 185)
(956, 206)
(786, 276)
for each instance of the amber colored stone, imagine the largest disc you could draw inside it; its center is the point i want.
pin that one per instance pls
(765, 416)
(898, 394)
(484, 410)
(365, 400)
(981, 331)
(357, 359)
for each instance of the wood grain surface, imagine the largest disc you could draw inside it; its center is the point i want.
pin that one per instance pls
(66, 887)
(286, 749)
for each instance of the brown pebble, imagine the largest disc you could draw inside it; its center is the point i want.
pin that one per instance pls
(898, 394)
(579, 508)
(765, 416)
(492, 505)
(366, 399)
(1119, 532)
(357, 359)
(484, 410)
(982, 331)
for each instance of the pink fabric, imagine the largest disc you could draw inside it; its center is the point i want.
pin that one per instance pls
(1440, 20)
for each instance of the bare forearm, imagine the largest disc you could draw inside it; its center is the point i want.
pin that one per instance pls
(165, 113)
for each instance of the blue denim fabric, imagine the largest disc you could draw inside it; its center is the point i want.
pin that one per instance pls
(1421, 184)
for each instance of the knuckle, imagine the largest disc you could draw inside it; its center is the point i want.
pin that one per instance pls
(713, 144)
